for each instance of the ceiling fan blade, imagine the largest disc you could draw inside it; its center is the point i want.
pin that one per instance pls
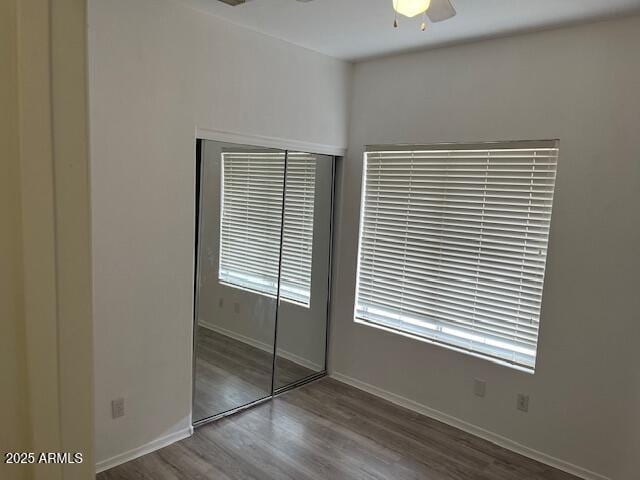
(440, 10)
(234, 3)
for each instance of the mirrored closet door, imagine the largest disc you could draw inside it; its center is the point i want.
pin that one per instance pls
(263, 268)
(304, 281)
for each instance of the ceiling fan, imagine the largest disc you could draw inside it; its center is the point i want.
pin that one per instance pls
(436, 10)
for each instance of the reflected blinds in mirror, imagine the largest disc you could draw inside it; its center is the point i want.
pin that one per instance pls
(297, 233)
(252, 187)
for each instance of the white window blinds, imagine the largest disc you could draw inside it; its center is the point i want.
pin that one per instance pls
(453, 244)
(297, 233)
(252, 186)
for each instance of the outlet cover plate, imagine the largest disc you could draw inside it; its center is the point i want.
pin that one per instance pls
(117, 408)
(479, 387)
(523, 402)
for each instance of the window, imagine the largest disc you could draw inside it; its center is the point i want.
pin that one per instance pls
(252, 185)
(453, 244)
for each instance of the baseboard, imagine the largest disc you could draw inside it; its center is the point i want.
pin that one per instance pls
(149, 447)
(263, 346)
(470, 428)
(300, 360)
(237, 336)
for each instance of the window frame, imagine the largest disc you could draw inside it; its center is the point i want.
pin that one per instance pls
(401, 328)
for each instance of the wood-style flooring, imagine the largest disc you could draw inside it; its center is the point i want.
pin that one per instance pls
(230, 373)
(328, 430)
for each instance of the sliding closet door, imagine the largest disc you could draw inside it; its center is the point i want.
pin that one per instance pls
(304, 282)
(240, 229)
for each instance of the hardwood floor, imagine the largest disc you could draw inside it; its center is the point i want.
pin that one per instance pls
(230, 373)
(329, 430)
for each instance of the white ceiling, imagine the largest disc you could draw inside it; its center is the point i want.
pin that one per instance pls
(359, 29)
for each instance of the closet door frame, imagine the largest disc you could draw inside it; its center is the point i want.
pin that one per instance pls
(201, 135)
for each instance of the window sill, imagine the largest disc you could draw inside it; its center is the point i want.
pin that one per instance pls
(264, 294)
(495, 360)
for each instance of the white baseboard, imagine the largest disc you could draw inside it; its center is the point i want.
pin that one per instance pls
(263, 346)
(470, 428)
(300, 360)
(237, 336)
(149, 447)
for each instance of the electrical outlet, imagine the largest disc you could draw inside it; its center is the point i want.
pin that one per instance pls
(221, 302)
(523, 402)
(479, 387)
(236, 307)
(117, 408)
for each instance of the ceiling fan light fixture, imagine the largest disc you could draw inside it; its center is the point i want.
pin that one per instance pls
(411, 8)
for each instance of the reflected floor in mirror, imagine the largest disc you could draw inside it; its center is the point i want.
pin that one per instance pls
(329, 430)
(231, 373)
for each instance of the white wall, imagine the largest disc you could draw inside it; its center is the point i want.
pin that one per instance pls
(157, 70)
(579, 85)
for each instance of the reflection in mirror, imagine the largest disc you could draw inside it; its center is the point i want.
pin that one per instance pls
(239, 253)
(304, 288)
